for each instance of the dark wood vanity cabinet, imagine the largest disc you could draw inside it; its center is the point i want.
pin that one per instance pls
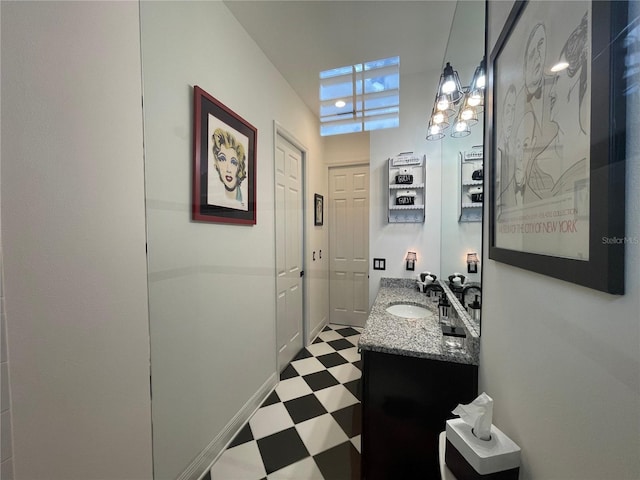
(405, 403)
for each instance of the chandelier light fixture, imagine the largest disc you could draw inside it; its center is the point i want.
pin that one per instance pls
(456, 104)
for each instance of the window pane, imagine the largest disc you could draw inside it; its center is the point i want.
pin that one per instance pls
(376, 97)
(336, 71)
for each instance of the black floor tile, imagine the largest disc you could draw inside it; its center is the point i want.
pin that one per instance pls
(341, 462)
(281, 449)
(288, 372)
(326, 329)
(319, 380)
(358, 364)
(271, 399)
(304, 408)
(355, 387)
(243, 436)
(340, 344)
(350, 419)
(331, 360)
(347, 331)
(304, 353)
(207, 476)
(318, 340)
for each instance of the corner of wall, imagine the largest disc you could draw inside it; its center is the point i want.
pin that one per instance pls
(6, 431)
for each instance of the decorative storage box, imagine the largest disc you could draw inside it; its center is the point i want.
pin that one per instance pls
(404, 177)
(476, 194)
(405, 197)
(477, 174)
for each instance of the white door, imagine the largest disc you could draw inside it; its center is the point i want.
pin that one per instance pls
(349, 245)
(289, 241)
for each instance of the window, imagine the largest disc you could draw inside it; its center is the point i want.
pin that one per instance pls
(361, 97)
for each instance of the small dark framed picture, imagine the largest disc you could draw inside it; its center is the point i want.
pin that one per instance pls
(224, 163)
(318, 216)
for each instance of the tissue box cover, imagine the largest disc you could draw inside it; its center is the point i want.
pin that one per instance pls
(468, 457)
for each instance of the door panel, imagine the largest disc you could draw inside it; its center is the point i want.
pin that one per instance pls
(349, 245)
(289, 241)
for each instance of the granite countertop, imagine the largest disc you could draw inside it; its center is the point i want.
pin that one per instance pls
(421, 338)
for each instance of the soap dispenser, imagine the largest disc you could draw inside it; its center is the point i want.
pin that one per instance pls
(474, 309)
(444, 308)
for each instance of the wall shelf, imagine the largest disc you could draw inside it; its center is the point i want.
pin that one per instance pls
(412, 167)
(469, 162)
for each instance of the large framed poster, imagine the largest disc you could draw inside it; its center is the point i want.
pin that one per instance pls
(224, 163)
(556, 132)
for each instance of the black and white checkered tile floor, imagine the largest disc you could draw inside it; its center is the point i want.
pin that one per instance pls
(309, 427)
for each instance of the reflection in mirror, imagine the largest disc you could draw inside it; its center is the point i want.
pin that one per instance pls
(462, 168)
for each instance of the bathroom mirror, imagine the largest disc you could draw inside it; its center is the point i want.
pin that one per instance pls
(461, 219)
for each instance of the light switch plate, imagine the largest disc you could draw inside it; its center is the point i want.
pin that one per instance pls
(379, 263)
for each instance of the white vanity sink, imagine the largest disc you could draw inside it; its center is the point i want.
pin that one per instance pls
(408, 311)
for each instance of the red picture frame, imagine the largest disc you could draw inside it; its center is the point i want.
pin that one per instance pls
(224, 163)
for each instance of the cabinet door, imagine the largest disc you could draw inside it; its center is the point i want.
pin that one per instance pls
(405, 404)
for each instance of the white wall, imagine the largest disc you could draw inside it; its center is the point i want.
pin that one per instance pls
(212, 286)
(73, 239)
(393, 240)
(561, 361)
(346, 149)
(6, 436)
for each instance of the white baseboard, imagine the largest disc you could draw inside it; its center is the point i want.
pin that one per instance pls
(203, 462)
(314, 333)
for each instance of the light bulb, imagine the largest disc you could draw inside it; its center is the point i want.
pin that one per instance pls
(461, 126)
(481, 81)
(442, 104)
(474, 100)
(438, 118)
(340, 103)
(466, 114)
(448, 86)
(434, 129)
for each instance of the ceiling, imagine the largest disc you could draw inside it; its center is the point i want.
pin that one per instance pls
(303, 38)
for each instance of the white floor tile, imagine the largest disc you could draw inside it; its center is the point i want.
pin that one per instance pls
(318, 349)
(353, 339)
(345, 373)
(292, 388)
(304, 469)
(336, 397)
(330, 335)
(269, 420)
(351, 354)
(356, 442)
(308, 365)
(241, 462)
(321, 433)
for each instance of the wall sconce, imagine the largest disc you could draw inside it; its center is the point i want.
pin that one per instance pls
(472, 263)
(411, 260)
(449, 96)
